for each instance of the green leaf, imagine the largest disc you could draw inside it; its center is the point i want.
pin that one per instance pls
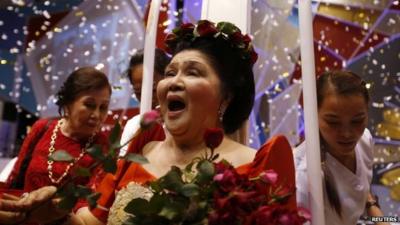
(137, 206)
(172, 210)
(116, 145)
(172, 180)
(137, 158)
(61, 156)
(67, 203)
(92, 199)
(155, 186)
(227, 28)
(109, 165)
(156, 203)
(190, 190)
(114, 134)
(67, 190)
(206, 167)
(128, 222)
(82, 191)
(82, 172)
(189, 167)
(141, 207)
(206, 171)
(96, 152)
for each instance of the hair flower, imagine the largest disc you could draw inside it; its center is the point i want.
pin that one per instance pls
(206, 29)
(237, 38)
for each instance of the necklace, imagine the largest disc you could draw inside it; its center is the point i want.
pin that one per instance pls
(52, 149)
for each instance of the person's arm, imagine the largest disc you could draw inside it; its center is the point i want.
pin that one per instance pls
(42, 208)
(36, 128)
(373, 209)
(15, 210)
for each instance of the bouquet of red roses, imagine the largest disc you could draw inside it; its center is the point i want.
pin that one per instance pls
(213, 193)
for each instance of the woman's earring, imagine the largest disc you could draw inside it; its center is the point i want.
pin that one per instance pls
(221, 112)
(66, 114)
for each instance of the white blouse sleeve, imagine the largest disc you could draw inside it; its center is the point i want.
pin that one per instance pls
(301, 176)
(129, 130)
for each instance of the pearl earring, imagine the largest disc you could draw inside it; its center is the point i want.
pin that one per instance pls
(221, 112)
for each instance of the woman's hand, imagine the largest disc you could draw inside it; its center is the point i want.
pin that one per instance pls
(10, 211)
(42, 206)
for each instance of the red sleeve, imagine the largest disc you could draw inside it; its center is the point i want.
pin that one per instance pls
(110, 184)
(276, 154)
(156, 133)
(36, 128)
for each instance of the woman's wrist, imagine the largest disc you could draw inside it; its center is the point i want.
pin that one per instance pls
(371, 204)
(372, 201)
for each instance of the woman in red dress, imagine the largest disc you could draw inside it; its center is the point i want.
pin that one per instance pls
(83, 104)
(209, 83)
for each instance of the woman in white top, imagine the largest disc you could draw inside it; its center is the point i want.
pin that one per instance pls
(346, 148)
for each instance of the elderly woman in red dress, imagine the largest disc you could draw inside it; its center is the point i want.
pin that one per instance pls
(83, 105)
(209, 83)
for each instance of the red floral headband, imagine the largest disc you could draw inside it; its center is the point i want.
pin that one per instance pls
(205, 28)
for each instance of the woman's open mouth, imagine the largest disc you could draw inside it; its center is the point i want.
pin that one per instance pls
(176, 106)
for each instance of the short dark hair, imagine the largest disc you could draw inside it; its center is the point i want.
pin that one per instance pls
(342, 83)
(161, 60)
(81, 80)
(235, 73)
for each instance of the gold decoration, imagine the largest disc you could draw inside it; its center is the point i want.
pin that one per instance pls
(52, 150)
(390, 127)
(395, 192)
(388, 130)
(391, 179)
(392, 116)
(133, 190)
(363, 17)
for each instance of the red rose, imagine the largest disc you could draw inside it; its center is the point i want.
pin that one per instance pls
(246, 197)
(149, 119)
(253, 55)
(171, 37)
(213, 137)
(206, 28)
(187, 28)
(227, 180)
(246, 39)
(220, 167)
(263, 214)
(169, 41)
(236, 37)
(221, 218)
(269, 176)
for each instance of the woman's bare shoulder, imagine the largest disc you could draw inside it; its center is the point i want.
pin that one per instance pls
(151, 147)
(237, 153)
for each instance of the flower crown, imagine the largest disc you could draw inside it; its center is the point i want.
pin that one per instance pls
(204, 28)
